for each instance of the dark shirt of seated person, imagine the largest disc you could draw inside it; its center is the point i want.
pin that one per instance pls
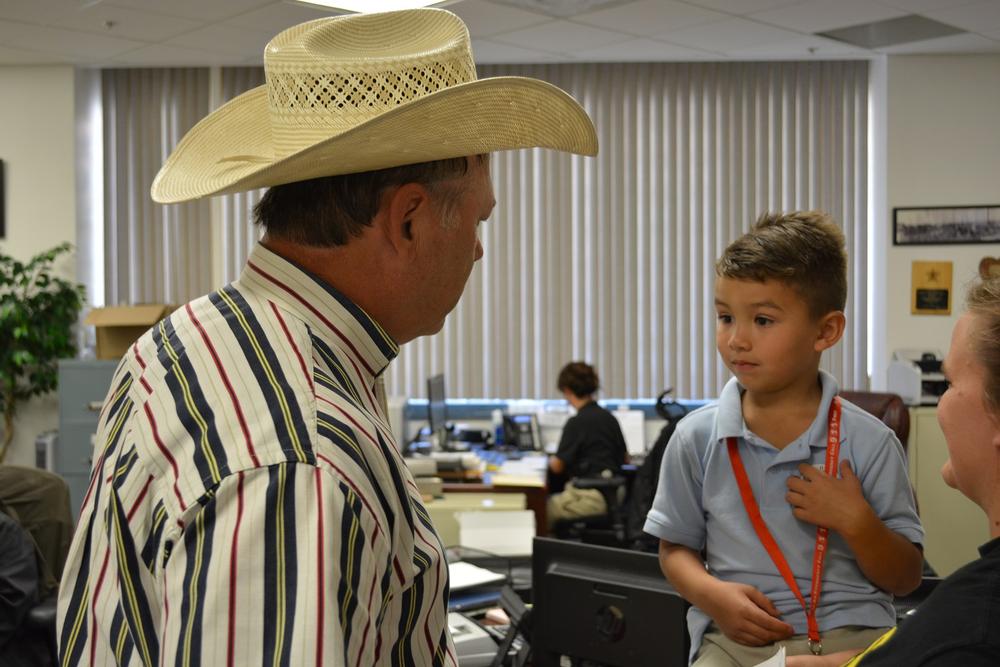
(957, 623)
(591, 443)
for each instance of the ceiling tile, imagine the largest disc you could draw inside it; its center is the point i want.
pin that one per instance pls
(199, 10)
(649, 17)
(742, 7)
(39, 12)
(642, 50)
(162, 55)
(488, 18)
(487, 52)
(277, 16)
(819, 15)
(964, 43)
(730, 34)
(978, 17)
(802, 48)
(561, 36)
(222, 38)
(127, 23)
(921, 6)
(78, 45)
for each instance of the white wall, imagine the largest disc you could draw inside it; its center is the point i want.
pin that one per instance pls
(944, 149)
(37, 146)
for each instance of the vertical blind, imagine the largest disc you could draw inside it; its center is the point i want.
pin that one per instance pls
(607, 259)
(153, 253)
(611, 259)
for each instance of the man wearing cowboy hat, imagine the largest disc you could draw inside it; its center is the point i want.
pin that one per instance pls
(249, 504)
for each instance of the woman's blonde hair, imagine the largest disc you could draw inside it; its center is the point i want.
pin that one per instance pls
(983, 302)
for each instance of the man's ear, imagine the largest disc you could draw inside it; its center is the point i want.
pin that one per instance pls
(831, 328)
(406, 208)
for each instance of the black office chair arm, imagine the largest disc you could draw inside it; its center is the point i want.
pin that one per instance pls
(601, 483)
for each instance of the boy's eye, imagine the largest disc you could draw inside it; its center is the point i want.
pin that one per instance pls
(763, 321)
(723, 318)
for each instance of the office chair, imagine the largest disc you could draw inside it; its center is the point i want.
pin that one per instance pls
(891, 410)
(885, 406)
(608, 529)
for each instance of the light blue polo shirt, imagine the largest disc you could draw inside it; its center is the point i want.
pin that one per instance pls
(698, 505)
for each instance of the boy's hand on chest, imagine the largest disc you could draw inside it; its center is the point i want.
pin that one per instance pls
(837, 503)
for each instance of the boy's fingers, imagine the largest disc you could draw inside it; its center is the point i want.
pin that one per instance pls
(764, 602)
(845, 470)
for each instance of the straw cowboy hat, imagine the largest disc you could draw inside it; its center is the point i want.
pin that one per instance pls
(356, 93)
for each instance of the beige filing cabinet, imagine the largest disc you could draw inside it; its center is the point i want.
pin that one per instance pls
(954, 525)
(442, 510)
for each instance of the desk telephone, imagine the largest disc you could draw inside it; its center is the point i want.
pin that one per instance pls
(521, 431)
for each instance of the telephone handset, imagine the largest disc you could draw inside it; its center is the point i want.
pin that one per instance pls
(521, 431)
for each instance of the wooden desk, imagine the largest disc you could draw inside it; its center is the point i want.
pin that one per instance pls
(535, 498)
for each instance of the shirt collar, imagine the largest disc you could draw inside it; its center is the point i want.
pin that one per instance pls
(729, 418)
(330, 315)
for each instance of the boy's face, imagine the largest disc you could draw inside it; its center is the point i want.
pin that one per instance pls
(766, 335)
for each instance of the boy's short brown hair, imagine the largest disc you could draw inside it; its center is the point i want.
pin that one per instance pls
(803, 249)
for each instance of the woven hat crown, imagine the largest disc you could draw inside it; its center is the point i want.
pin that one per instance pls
(357, 93)
(328, 76)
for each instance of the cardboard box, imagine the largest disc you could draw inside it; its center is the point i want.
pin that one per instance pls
(118, 327)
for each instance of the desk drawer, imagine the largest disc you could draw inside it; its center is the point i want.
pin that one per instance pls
(82, 388)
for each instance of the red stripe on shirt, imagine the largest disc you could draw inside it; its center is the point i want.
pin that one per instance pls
(312, 309)
(229, 387)
(347, 480)
(93, 603)
(295, 348)
(320, 598)
(166, 453)
(138, 501)
(233, 566)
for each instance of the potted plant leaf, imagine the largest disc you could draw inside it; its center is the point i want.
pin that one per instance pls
(37, 312)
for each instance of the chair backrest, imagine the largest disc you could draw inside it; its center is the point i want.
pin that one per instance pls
(885, 406)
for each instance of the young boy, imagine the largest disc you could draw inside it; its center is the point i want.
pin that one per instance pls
(838, 506)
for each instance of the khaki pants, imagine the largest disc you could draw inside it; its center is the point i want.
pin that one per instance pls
(717, 650)
(39, 501)
(574, 503)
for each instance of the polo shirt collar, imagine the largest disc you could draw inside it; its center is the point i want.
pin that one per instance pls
(330, 315)
(729, 417)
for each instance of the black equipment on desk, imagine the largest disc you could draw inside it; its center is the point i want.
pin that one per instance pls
(604, 606)
(521, 431)
(437, 408)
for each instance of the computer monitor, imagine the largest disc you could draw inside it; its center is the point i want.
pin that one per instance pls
(437, 408)
(604, 606)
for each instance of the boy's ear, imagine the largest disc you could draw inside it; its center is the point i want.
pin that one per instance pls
(831, 328)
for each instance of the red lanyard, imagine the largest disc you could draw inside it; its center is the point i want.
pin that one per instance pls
(764, 535)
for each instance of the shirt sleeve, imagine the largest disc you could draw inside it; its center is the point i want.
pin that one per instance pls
(677, 514)
(887, 488)
(569, 442)
(285, 565)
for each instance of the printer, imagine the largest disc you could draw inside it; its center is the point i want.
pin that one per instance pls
(916, 376)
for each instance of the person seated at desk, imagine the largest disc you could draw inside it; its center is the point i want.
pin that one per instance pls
(591, 443)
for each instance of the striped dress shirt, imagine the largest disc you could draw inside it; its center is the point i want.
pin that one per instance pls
(248, 503)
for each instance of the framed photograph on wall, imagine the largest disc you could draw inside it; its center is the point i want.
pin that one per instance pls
(939, 225)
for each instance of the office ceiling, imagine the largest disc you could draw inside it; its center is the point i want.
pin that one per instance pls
(154, 33)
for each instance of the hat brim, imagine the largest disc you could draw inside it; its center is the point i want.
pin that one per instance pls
(231, 149)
